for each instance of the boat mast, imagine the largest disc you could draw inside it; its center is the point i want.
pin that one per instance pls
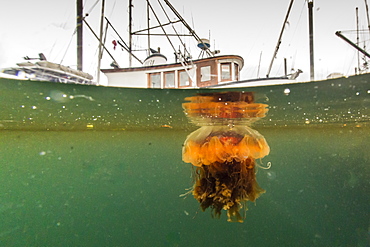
(279, 40)
(100, 41)
(310, 27)
(367, 15)
(148, 24)
(356, 46)
(358, 43)
(79, 34)
(130, 33)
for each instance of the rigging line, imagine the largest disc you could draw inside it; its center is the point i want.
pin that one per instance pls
(355, 31)
(110, 24)
(123, 44)
(52, 48)
(293, 60)
(279, 40)
(105, 37)
(169, 40)
(138, 32)
(365, 40)
(299, 19)
(352, 61)
(159, 22)
(91, 8)
(188, 27)
(70, 41)
(93, 63)
(67, 16)
(182, 59)
(174, 29)
(105, 48)
(113, 7)
(192, 20)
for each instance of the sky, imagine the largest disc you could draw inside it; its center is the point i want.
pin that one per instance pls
(247, 28)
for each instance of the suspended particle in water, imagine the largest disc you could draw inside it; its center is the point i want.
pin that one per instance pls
(58, 96)
(271, 175)
(286, 91)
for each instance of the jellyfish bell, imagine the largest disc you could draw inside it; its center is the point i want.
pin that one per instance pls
(210, 144)
(224, 149)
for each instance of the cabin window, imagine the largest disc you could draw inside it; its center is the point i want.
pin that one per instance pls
(225, 71)
(169, 79)
(155, 80)
(205, 73)
(236, 71)
(184, 80)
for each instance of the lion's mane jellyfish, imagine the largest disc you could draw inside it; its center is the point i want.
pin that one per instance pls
(224, 150)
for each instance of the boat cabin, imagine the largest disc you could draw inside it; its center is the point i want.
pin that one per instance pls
(155, 73)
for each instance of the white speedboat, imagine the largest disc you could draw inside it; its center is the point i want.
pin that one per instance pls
(43, 70)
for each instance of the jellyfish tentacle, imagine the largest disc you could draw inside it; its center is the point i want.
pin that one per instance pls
(267, 167)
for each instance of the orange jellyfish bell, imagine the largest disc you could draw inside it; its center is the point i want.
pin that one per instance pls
(224, 150)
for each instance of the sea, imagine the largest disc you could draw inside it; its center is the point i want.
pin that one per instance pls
(98, 166)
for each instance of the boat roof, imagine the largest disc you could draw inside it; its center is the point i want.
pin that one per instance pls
(171, 65)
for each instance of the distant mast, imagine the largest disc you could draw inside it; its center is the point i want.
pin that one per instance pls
(79, 34)
(101, 42)
(310, 28)
(130, 33)
(358, 43)
(367, 15)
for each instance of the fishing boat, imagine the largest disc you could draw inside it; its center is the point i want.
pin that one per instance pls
(210, 69)
(43, 70)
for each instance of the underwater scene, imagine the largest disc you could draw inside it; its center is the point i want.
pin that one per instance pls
(285, 165)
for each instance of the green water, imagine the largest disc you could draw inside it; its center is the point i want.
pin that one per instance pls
(94, 166)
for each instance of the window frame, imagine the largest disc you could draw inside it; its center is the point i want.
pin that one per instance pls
(165, 79)
(236, 71)
(229, 78)
(209, 74)
(179, 78)
(150, 79)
